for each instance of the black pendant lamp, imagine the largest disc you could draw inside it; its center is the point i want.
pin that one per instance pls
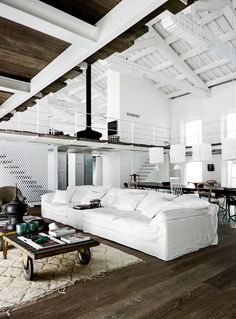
(89, 133)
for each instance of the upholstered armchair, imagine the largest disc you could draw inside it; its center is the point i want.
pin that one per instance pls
(7, 193)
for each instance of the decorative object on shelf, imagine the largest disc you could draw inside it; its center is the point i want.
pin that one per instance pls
(177, 155)
(210, 167)
(156, 156)
(15, 211)
(202, 152)
(229, 149)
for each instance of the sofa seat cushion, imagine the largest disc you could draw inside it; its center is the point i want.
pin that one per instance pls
(136, 225)
(55, 207)
(121, 221)
(57, 212)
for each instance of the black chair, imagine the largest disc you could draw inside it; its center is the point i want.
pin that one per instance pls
(230, 194)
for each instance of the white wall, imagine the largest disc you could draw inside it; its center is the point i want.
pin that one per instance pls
(128, 94)
(211, 110)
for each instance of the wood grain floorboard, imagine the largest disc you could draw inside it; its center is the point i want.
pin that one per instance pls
(199, 285)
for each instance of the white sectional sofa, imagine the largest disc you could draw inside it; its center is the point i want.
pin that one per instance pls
(159, 224)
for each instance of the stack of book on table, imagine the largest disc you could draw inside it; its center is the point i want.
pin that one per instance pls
(61, 232)
(74, 238)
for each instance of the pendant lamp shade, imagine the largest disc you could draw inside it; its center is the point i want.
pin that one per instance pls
(229, 149)
(156, 155)
(177, 154)
(202, 152)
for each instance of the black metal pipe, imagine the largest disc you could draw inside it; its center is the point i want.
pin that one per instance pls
(88, 96)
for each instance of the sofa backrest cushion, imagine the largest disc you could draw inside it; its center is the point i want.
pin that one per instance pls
(62, 197)
(111, 196)
(155, 206)
(128, 200)
(151, 196)
(83, 194)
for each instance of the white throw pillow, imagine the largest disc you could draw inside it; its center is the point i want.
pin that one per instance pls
(62, 197)
(128, 201)
(91, 194)
(111, 196)
(151, 196)
(155, 206)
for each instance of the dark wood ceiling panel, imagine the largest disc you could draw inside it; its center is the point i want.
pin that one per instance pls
(24, 52)
(90, 11)
(4, 96)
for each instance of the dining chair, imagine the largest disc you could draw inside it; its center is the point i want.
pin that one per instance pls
(176, 186)
(230, 194)
(205, 190)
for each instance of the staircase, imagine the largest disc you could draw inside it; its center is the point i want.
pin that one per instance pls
(146, 172)
(13, 174)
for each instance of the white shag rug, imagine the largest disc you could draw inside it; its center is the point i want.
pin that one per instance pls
(54, 273)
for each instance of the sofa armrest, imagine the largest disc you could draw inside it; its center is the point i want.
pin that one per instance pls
(47, 197)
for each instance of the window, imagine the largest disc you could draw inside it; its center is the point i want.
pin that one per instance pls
(193, 135)
(231, 174)
(193, 172)
(231, 125)
(193, 132)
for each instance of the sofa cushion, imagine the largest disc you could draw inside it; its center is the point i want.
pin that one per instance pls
(189, 201)
(155, 206)
(92, 194)
(62, 197)
(128, 200)
(151, 196)
(111, 196)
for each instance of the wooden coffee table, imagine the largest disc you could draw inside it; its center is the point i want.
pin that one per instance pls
(30, 253)
(4, 231)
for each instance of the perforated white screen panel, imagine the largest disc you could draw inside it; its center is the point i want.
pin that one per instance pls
(32, 166)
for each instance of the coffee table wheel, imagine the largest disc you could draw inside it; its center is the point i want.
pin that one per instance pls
(28, 268)
(84, 256)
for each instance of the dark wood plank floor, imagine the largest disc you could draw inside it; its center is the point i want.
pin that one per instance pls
(199, 285)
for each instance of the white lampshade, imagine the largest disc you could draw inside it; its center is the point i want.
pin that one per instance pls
(202, 152)
(229, 149)
(156, 155)
(177, 154)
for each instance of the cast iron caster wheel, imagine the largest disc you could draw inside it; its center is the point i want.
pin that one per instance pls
(28, 268)
(84, 256)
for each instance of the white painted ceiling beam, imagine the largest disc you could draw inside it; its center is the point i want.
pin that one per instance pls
(222, 79)
(12, 85)
(196, 51)
(211, 66)
(110, 26)
(162, 66)
(209, 5)
(139, 70)
(40, 16)
(143, 53)
(179, 64)
(176, 94)
(229, 13)
(142, 44)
